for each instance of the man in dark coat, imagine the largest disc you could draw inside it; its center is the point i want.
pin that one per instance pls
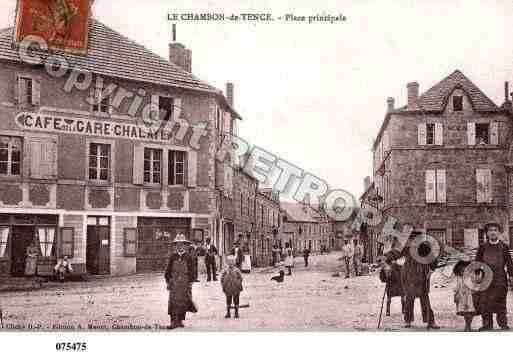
(391, 275)
(495, 254)
(210, 260)
(306, 254)
(239, 257)
(415, 278)
(179, 277)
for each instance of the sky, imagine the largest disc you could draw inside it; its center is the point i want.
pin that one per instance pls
(315, 94)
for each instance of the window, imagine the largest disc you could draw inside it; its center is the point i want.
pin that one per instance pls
(483, 185)
(457, 103)
(67, 241)
(482, 133)
(430, 133)
(99, 161)
(166, 106)
(43, 157)
(176, 168)
(4, 235)
(46, 237)
(435, 186)
(26, 92)
(152, 165)
(101, 102)
(10, 156)
(130, 242)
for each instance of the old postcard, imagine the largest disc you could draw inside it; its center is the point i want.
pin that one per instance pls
(177, 166)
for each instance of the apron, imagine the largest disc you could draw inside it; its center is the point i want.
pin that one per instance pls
(493, 299)
(180, 296)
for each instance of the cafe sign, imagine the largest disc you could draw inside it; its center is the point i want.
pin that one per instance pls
(89, 127)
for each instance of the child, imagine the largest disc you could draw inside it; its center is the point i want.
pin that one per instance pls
(63, 268)
(463, 295)
(231, 282)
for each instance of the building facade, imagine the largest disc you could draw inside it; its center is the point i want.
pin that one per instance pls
(267, 226)
(441, 162)
(82, 171)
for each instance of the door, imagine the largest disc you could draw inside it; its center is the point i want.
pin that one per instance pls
(21, 238)
(98, 246)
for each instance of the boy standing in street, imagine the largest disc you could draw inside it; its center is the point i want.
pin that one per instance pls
(231, 282)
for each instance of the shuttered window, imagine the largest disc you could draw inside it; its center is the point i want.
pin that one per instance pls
(483, 133)
(43, 158)
(436, 186)
(430, 134)
(483, 185)
(101, 103)
(28, 91)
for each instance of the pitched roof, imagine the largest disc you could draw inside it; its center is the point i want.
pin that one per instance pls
(112, 54)
(297, 212)
(436, 97)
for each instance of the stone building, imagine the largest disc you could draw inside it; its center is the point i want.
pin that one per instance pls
(245, 193)
(267, 226)
(82, 171)
(441, 162)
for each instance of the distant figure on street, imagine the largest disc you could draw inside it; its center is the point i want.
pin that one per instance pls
(358, 257)
(275, 255)
(239, 257)
(31, 259)
(347, 254)
(193, 252)
(179, 278)
(231, 282)
(210, 260)
(289, 258)
(306, 254)
(63, 268)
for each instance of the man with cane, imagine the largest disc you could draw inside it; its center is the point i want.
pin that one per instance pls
(420, 261)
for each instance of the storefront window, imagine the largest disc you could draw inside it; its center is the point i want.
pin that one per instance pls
(4, 234)
(46, 238)
(67, 242)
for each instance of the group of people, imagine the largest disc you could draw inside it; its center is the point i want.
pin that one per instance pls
(352, 255)
(480, 287)
(62, 269)
(182, 272)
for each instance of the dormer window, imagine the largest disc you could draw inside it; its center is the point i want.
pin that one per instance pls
(457, 103)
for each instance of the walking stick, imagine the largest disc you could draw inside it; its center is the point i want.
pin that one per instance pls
(381, 310)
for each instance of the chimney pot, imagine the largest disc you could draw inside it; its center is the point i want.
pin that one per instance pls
(179, 54)
(229, 93)
(390, 103)
(413, 94)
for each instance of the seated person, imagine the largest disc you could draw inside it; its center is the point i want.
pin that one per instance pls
(63, 268)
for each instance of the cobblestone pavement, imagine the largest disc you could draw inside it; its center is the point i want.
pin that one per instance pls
(311, 299)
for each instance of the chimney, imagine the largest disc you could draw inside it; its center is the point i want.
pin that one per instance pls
(413, 94)
(366, 183)
(506, 91)
(390, 104)
(229, 93)
(179, 54)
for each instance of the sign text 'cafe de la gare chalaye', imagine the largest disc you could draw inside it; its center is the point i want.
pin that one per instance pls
(91, 181)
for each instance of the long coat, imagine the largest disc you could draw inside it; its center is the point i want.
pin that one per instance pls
(493, 299)
(394, 286)
(231, 281)
(415, 276)
(179, 277)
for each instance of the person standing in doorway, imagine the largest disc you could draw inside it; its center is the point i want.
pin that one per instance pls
(358, 257)
(179, 278)
(347, 254)
(31, 259)
(210, 260)
(495, 254)
(239, 257)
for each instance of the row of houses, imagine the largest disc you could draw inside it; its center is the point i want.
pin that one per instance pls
(83, 175)
(442, 164)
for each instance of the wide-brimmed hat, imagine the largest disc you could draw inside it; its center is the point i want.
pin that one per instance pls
(180, 238)
(492, 224)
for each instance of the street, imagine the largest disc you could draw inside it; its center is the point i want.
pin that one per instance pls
(309, 300)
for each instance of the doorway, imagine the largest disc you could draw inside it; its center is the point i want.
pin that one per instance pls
(21, 238)
(98, 245)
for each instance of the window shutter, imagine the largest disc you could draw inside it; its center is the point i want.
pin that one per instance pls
(192, 168)
(17, 90)
(422, 133)
(49, 159)
(441, 186)
(494, 133)
(430, 186)
(36, 92)
(480, 185)
(487, 185)
(471, 133)
(439, 134)
(177, 108)
(138, 167)
(36, 153)
(471, 237)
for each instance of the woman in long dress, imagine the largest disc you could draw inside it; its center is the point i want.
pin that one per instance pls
(31, 259)
(289, 258)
